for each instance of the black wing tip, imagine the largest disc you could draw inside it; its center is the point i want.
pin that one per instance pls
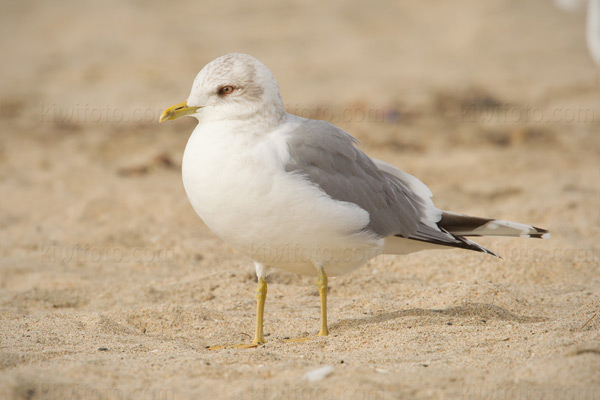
(460, 243)
(477, 247)
(540, 233)
(454, 222)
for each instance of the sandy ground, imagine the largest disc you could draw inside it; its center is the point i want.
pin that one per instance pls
(111, 287)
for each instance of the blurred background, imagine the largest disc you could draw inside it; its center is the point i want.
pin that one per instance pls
(493, 104)
(131, 54)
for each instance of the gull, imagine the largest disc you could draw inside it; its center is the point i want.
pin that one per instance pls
(592, 31)
(296, 194)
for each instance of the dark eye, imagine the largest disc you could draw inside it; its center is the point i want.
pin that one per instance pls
(225, 90)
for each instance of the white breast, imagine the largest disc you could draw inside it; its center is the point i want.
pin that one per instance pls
(239, 187)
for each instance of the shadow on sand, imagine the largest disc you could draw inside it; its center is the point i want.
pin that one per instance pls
(487, 312)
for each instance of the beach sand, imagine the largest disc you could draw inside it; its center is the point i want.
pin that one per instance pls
(111, 287)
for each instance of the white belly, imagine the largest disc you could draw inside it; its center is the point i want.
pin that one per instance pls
(243, 194)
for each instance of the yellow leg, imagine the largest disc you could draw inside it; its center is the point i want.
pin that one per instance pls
(322, 285)
(259, 337)
(261, 297)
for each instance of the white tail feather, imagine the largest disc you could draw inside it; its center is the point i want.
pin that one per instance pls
(498, 227)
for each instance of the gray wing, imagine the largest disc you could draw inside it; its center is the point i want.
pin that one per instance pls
(327, 157)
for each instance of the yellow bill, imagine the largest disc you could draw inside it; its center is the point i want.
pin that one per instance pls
(176, 111)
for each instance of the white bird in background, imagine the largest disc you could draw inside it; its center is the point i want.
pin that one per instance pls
(592, 23)
(593, 30)
(296, 194)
